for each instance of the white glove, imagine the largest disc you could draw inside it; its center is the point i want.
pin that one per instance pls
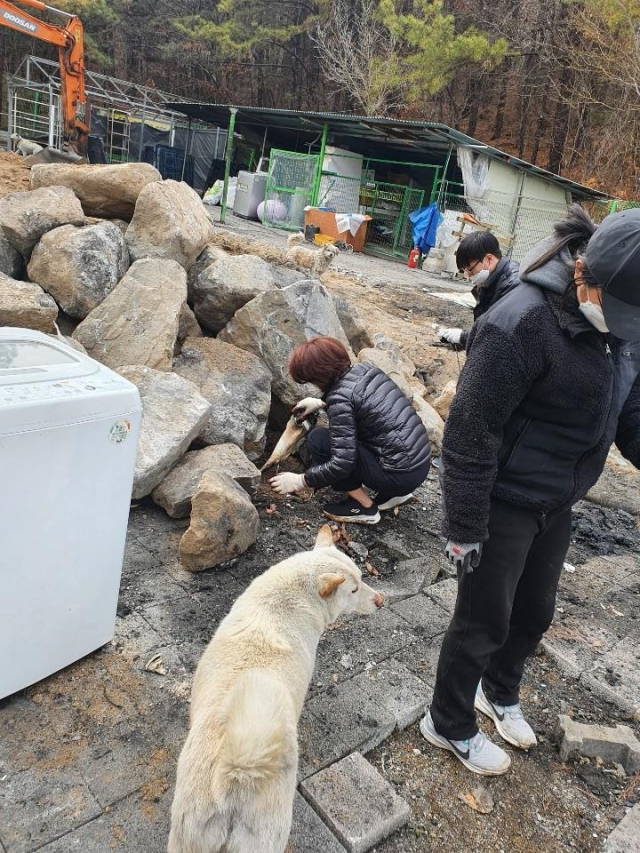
(465, 557)
(449, 336)
(308, 406)
(287, 482)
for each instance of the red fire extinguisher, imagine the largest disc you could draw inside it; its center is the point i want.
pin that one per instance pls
(414, 257)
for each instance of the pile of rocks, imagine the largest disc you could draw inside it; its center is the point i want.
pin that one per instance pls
(128, 265)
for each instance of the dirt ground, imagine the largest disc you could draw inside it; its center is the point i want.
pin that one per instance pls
(14, 174)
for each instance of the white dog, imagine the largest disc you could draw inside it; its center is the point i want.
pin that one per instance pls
(25, 147)
(316, 260)
(237, 770)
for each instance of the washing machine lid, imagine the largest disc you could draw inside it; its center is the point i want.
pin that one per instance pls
(27, 356)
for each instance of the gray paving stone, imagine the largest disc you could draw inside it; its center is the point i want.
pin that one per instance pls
(144, 578)
(421, 659)
(38, 805)
(25, 737)
(397, 690)
(617, 744)
(318, 745)
(625, 838)
(137, 824)
(356, 802)
(308, 833)
(408, 579)
(353, 716)
(427, 618)
(444, 593)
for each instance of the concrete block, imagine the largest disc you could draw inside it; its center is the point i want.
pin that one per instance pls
(427, 618)
(409, 578)
(444, 593)
(356, 802)
(421, 659)
(353, 716)
(41, 804)
(625, 838)
(308, 833)
(397, 690)
(318, 745)
(617, 744)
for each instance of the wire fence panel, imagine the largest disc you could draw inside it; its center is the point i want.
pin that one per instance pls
(289, 188)
(389, 206)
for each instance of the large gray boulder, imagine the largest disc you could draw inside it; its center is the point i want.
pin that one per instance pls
(238, 386)
(175, 492)
(11, 262)
(173, 413)
(169, 222)
(109, 191)
(224, 523)
(209, 255)
(26, 305)
(226, 285)
(25, 217)
(139, 321)
(353, 325)
(79, 267)
(274, 323)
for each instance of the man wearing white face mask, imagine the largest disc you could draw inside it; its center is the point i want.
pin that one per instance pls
(551, 380)
(480, 258)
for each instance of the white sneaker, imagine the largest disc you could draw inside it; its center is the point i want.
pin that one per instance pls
(401, 499)
(508, 720)
(478, 754)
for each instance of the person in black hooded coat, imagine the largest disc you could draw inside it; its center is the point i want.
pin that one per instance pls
(551, 380)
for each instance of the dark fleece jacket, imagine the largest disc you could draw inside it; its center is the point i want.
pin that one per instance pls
(501, 281)
(540, 400)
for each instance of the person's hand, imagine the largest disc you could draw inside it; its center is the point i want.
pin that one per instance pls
(308, 406)
(464, 556)
(449, 336)
(287, 482)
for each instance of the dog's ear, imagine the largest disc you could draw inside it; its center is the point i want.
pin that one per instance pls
(324, 539)
(329, 583)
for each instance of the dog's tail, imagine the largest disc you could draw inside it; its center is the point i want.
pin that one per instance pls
(259, 739)
(295, 239)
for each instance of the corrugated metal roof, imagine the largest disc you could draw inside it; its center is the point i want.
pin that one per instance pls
(410, 136)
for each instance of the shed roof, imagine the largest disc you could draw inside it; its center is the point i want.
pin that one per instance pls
(411, 137)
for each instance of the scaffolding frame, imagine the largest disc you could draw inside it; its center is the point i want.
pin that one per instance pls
(33, 104)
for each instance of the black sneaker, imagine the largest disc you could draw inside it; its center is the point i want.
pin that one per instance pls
(352, 511)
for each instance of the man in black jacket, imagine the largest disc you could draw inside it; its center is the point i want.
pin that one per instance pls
(552, 379)
(493, 276)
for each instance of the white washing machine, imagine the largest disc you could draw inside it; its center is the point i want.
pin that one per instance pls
(68, 434)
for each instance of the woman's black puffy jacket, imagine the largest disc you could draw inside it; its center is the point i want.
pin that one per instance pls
(366, 407)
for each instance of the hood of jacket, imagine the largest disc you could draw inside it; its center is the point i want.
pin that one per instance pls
(555, 275)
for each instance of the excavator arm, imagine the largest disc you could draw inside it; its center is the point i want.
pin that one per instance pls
(70, 43)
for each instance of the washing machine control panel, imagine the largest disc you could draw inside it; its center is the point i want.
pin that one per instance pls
(38, 392)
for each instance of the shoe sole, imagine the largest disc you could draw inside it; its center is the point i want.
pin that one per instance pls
(442, 743)
(482, 704)
(350, 519)
(393, 502)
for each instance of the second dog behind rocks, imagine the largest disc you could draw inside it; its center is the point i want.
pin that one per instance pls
(237, 770)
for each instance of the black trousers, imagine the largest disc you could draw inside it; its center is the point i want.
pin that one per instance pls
(502, 610)
(368, 470)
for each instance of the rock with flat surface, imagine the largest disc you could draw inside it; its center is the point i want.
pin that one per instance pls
(238, 386)
(224, 523)
(79, 267)
(432, 421)
(442, 403)
(353, 325)
(169, 222)
(104, 190)
(343, 795)
(175, 492)
(226, 285)
(138, 322)
(209, 255)
(25, 217)
(173, 413)
(387, 364)
(617, 744)
(625, 838)
(618, 486)
(11, 262)
(274, 323)
(26, 305)
(188, 326)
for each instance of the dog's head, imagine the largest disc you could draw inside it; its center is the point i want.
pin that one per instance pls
(339, 581)
(330, 251)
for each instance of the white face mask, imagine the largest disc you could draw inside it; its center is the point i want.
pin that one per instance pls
(593, 313)
(480, 277)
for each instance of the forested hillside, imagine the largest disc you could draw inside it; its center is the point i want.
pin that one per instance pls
(554, 81)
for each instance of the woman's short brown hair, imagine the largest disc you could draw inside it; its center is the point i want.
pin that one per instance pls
(320, 361)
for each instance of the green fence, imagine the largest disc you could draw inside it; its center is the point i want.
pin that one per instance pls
(289, 189)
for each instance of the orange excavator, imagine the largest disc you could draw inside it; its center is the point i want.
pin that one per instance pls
(70, 42)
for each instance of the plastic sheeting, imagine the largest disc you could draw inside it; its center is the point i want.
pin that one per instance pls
(475, 177)
(425, 224)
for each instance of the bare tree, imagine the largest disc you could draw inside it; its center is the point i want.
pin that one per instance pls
(358, 57)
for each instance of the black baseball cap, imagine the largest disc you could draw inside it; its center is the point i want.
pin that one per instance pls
(613, 258)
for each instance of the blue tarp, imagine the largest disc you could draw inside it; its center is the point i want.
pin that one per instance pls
(425, 224)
